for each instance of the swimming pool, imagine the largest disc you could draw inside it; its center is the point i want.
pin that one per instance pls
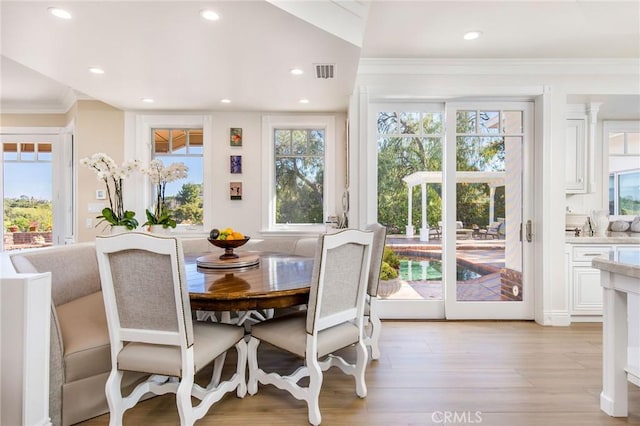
(431, 270)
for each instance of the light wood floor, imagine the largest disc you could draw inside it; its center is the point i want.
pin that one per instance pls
(482, 373)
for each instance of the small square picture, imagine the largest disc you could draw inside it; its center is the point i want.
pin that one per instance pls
(101, 194)
(236, 164)
(235, 138)
(235, 190)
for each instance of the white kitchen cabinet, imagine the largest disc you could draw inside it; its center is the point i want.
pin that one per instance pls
(576, 156)
(580, 144)
(583, 280)
(585, 292)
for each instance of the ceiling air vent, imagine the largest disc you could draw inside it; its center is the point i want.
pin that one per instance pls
(325, 70)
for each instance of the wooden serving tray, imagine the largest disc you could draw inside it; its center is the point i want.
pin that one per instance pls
(213, 261)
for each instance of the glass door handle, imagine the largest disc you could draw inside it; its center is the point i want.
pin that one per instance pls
(529, 231)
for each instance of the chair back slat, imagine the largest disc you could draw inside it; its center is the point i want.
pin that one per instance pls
(145, 288)
(377, 251)
(340, 279)
(341, 271)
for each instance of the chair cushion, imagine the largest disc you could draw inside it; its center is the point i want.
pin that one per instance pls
(289, 333)
(85, 337)
(210, 340)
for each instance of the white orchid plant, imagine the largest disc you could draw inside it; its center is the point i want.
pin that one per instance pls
(113, 177)
(160, 175)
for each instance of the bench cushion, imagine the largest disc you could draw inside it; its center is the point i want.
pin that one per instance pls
(85, 336)
(74, 269)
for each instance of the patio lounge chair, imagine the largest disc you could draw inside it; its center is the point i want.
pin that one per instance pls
(495, 230)
(461, 231)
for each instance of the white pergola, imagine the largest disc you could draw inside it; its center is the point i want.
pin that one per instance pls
(493, 179)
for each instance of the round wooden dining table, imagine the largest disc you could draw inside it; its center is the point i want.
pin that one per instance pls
(276, 281)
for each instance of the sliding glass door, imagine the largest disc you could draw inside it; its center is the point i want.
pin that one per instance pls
(487, 224)
(452, 191)
(409, 141)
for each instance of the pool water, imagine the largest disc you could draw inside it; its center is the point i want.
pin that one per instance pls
(431, 270)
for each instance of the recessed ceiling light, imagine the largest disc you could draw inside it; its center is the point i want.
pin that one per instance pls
(225, 101)
(96, 70)
(147, 100)
(304, 101)
(209, 15)
(296, 71)
(59, 13)
(472, 35)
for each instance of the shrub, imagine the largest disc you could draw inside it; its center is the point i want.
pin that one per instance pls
(391, 258)
(387, 272)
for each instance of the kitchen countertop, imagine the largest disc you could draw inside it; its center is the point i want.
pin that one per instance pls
(611, 238)
(625, 263)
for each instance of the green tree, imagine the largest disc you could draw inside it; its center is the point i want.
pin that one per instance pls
(408, 143)
(299, 175)
(187, 204)
(25, 211)
(189, 193)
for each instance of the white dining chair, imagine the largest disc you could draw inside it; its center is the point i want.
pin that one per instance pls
(371, 305)
(333, 321)
(150, 328)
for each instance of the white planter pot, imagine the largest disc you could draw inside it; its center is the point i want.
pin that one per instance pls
(158, 229)
(118, 229)
(387, 287)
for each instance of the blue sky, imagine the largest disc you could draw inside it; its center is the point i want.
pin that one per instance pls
(35, 179)
(194, 175)
(30, 179)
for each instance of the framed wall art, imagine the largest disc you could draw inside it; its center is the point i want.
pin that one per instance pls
(235, 190)
(235, 164)
(235, 136)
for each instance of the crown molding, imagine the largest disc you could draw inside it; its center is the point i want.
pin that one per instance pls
(57, 106)
(498, 66)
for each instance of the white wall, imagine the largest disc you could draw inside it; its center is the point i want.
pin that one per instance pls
(243, 215)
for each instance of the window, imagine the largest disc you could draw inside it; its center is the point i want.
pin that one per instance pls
(408, 141)
(624, 193)
(36, 186)
(173, 138)
(622, 138)
(183, 197)
(300, 184)
(299, 166)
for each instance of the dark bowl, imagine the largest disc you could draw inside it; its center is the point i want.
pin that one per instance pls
(229, 244)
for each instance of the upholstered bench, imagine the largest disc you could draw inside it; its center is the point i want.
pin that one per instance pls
(80, 359)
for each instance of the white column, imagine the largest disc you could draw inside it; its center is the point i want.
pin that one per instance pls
(592, 112)
(492, 204)
(424, 229)
(409, 227)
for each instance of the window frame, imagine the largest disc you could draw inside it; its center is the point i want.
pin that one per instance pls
(178, 158)
(144, 125)
(616, 190)
(608, 126)
(63, 175)
(269, 124)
